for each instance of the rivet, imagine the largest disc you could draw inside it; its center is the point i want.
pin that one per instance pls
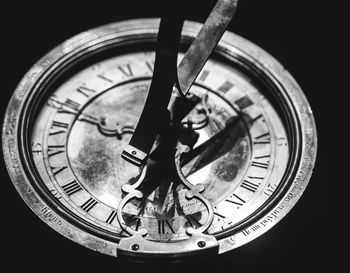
(135, 247)
(201, 244)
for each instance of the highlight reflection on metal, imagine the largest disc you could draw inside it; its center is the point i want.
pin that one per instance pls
(254, 155)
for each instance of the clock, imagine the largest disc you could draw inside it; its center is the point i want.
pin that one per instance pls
(75, 111)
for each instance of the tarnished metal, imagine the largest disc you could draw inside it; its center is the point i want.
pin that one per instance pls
(83, 207)
(204, 43)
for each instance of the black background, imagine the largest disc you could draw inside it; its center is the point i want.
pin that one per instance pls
(298, 35)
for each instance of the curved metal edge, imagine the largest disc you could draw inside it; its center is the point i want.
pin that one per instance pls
(308, 139)
(230, 41)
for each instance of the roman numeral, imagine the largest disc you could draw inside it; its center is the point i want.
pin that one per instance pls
(226, 86)
(111, 217)
(54, 102)
(161, 226)
(150, 65)
(262, 139)
(235, 199)
(58, 127)
(204, 75)
(250, 186)
(252, 121)
(126, 70)
(103, 77)
(55, 150)
(243, 102)
(72, 188)
(57, 170)
(89, 204)
(255, 177)
(260, 164)
(87, 92)
(69, 107)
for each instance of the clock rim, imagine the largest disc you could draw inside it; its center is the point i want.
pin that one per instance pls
(230, 42)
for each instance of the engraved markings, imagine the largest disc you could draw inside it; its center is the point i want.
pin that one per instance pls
(162, 224)
(58, 127)
(57, 170)
(253, 120)
(235, 199)
(103, 77)
(243, 102)
(204, 75)
(258, 163)
(249, 185)
(111, 217)
(226, 86)
(87, 92)
(89, 204)
(71, 188)
(55, 150)
(69, 107)
(126, 70)
(150, 65)
(262, 139)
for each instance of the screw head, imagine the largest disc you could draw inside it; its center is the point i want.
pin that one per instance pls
(133, 152)
(135, 247)
(201, 244)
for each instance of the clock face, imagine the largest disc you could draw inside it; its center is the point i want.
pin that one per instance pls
(79, 109)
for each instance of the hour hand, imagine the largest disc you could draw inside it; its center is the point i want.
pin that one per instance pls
(155, 111)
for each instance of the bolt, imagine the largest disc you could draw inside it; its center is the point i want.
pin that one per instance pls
(201, 244)
(135, 247)
(133, 152)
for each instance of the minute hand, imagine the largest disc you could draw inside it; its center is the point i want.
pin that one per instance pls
(205, 42)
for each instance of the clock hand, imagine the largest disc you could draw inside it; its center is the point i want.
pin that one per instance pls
(164, 76)
(206, 40)
(104, 128)
(149, 124)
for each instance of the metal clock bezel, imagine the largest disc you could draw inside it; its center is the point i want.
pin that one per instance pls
(232, 47)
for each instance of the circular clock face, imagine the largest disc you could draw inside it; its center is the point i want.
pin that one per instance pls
(76, 110)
